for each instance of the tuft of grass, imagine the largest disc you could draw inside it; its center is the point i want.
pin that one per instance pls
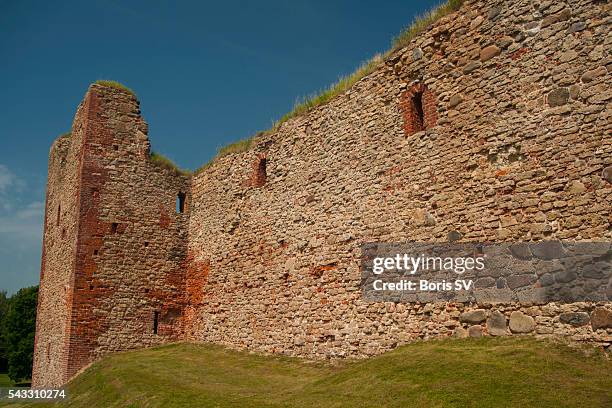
(240, 146)
(322, 97)
(164, 162)
(420, 23)
(236, 147)
(484, 372)
(115, 84)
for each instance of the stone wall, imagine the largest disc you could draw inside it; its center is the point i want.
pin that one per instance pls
(493, 125)
(59, 245)
(511, 145)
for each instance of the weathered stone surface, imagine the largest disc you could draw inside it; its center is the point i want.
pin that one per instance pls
(568, 56)
(473, 316)
(601, 318)
(574, 91)
(454, 236)
(518, 281)
(489, 52)
(475, 23)
(589, 76)
(565, 276)
(576, 187)
(424, 217)
(455, 100)
(574, 318)
(558, 97)
(505, 41)
(417, 54)
(578, 26)
(475, 331)
(547, 250)
(496, 324)
(521, 323)
(460, 332)
(555, 18)
(606, 174)
(471, 66)
(493, 12)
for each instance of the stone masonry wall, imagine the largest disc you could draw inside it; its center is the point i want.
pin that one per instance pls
(513, 145)
(493, 125)
(57, 266)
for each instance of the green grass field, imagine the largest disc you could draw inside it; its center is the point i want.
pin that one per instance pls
(486, 372)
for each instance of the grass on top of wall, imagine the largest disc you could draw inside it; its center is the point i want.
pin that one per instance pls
(115, 84)
(305, 104)
(165, 163)
(420, 23)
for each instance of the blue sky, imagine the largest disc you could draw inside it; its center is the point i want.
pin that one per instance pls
(207, 73)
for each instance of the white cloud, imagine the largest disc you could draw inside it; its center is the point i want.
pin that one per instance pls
(21, 229)
(9, 185)
(7, 178)
(21, 218)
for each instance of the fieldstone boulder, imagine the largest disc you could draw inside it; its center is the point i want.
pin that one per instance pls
(417, 54)
(496, 324)
(558, 97)
(455, 100)
(454, 236)
(471, 66)
(601, 318)
(475, 331)
(588, 76)
(576, 187)
(473, 316)
(606, 174)
(574, 318)
(460, 332)
(489, 52)
(521, 323)
(556, 18)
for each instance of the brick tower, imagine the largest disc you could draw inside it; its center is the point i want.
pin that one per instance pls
(115, 237)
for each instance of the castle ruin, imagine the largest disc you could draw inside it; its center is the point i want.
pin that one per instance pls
(492, 125)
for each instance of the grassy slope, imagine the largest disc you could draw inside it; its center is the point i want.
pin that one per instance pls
(5, 381)
(487, 372)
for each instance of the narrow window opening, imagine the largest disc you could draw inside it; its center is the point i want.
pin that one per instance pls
(155, 321)
(180, 203)
(146, 244)
(116, 147)
(147, 290)
(419, 119)
(95, 252)
(114, 226)
(59, 214)
(261, 169)
(260, 172)
(91, 287)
